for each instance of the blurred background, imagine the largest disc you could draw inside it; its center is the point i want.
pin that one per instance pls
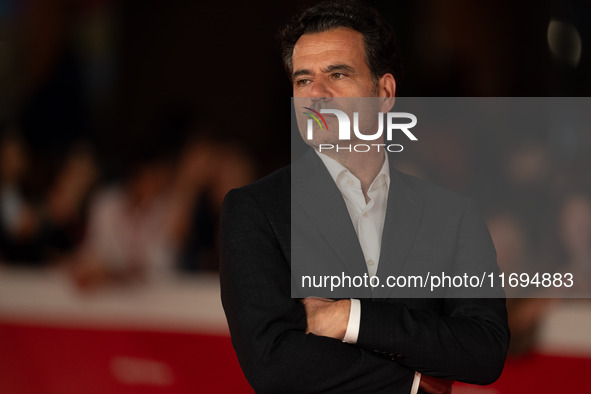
(121, 130)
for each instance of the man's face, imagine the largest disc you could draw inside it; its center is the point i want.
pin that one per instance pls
(331, 64)
(329, 71)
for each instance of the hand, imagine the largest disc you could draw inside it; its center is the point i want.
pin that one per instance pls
(432, 385)
(327, 318)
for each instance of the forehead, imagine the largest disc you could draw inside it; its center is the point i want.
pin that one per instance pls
(340, 45)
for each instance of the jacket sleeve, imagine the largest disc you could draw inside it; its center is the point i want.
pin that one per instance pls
(467, 340)
(267, 326)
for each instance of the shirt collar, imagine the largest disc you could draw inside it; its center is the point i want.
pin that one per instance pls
(337, 171)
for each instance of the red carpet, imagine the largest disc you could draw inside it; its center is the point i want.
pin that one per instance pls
(537, 373)
(38, 360)
(41, 360)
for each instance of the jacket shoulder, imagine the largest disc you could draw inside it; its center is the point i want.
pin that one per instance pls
(271, 193)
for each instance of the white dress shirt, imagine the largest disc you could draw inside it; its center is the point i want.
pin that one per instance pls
(368, 221)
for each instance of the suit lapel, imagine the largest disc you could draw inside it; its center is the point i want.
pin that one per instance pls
(315, 192)
(403, 216)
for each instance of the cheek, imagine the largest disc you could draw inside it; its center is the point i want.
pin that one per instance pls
(300, 92)
(372, 87)
(363, 89)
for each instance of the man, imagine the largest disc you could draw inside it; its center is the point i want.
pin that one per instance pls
(366, 345)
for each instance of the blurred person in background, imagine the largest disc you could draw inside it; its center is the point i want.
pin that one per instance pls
(163, 217)
(20, 224)
(514, 255)
(39, 227)
(207, 170)
(575, 236)
(126, 236)
(66, 203)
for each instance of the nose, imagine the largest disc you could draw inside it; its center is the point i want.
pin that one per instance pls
(320, 88)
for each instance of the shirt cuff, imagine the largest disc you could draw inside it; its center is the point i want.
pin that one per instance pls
(415, 383)
(352, 332)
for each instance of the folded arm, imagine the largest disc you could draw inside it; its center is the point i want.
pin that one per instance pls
(464, 339)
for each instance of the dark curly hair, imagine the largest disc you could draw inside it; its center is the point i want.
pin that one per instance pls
(378, 35)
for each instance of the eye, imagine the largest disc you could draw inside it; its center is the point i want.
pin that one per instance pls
(337, 76)
(302, 82)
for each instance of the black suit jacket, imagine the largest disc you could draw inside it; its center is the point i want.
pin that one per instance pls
(463, 339)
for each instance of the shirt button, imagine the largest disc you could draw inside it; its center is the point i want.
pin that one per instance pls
(364, 214)
(371, 263)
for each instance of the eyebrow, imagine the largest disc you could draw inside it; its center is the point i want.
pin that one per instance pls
(331, 68)
(300, 73)
(339, 67)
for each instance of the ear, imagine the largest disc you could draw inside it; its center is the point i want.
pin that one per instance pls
(387, 91)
